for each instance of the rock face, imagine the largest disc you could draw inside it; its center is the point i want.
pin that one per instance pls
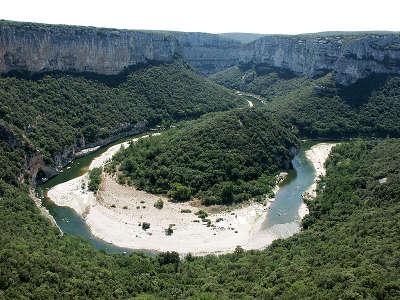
(40, 48)
(349, 57)
(208, 53)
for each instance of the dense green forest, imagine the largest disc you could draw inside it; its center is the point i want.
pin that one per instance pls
(260, 79)
(59, 110)
(319, 107)
(222, 158)
(371, 107)
(349, 246)
(349, 250)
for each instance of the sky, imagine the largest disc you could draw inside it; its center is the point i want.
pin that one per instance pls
(214, 16)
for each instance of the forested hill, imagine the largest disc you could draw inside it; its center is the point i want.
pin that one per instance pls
(60, 113)
(221, 158)
(349, 250)
(320, 107)
(259, 79)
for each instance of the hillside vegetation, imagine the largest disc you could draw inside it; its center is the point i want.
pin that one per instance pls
(319, 107)
(260, 79)
(221, 158)
(349, 250)
(60, 110)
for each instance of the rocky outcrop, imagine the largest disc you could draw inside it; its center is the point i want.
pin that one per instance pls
(364, 56)
(208, 53)
(73, 151)
(33, 160)
(41, 48)
(36, 167)
(349, 57)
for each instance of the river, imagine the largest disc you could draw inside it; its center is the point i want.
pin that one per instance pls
(283, 217)
(282, 220)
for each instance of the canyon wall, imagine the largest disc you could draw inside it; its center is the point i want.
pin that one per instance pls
(208, 53)
(349, 57)
(41, 48)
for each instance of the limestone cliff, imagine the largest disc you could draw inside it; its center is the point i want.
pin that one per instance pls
(208, 53)
(39, 48)
(349, 57)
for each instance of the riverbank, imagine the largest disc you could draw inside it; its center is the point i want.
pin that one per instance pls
(117, 213)
(317, 155)
(121, 211)
(120, 214)
(43, 210)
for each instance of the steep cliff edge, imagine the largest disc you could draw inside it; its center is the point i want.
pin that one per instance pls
(350, 57)
(38, 48)
(208, 53)
(41, 48)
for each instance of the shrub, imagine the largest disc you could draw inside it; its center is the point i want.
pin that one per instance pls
(169, 230)
(145, 225)
(190, 257)
(159, 204)
(95, 179)
(227, 193)
(201, 214)
(179, 192)
(168, 258)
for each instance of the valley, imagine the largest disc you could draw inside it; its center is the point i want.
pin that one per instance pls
(187, 165)
(115, 214)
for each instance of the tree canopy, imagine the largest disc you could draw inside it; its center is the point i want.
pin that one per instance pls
(57, 111)
(221, 158)
(319, 107)
(348, 250)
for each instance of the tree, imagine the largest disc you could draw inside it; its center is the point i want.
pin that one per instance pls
(145, 225)
(179, 192)
(227, 193)
(95, 179)
(168, 258)
(159, 204)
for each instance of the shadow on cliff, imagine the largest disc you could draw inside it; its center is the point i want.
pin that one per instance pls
(109, 80)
